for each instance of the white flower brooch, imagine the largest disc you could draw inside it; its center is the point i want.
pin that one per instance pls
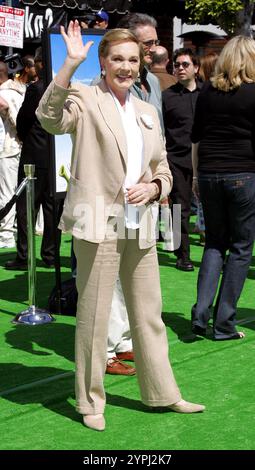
(147, 120)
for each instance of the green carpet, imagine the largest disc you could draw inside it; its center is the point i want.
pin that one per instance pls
(37, 378)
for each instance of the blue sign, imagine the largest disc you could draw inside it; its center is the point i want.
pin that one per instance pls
(86, 72)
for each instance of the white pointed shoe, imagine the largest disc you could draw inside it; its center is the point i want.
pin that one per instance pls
(183, 406)
(96, 422)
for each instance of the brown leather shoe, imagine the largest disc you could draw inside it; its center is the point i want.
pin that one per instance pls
(125, 356)
(183, 406)
(116, 367)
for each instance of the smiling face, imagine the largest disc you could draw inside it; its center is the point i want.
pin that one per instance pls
(121, 67)
(147, 35)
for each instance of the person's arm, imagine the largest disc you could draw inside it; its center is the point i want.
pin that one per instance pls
(13, 99)
(76, 53)
(194, 157)
(199, 121)
(60, 106)
(26, 116)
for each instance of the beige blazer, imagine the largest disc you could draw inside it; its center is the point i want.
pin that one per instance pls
(99, 157)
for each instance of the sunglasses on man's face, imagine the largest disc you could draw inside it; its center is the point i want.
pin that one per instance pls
(151, 42)
(184, 65)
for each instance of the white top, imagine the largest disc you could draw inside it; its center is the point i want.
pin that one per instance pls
(13, 92)
(135, 152)
(2, 134)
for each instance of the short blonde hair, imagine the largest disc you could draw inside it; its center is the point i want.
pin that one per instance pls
(118, 35)
(235, 64)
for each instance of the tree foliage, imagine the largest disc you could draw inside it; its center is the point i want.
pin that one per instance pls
(234, 16)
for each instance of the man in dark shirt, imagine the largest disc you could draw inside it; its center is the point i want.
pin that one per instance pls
(35, 150)
(178, 110)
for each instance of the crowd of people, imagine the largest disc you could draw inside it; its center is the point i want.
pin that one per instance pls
(142, 137)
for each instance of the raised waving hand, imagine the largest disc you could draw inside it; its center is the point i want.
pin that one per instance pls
(76, 52)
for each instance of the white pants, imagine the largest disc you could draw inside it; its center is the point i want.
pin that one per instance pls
(119, 336)
(39, 222)
(167, 231)
(8, 184)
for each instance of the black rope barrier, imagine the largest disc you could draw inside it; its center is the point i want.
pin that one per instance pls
(4, 211)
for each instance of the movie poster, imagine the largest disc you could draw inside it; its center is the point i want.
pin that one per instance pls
(86, 72)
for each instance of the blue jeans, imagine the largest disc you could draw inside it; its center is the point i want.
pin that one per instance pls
(229, 210)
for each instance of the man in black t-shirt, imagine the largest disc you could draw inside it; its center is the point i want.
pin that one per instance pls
(178, 110)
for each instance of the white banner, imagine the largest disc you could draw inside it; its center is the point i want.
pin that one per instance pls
(11, 27)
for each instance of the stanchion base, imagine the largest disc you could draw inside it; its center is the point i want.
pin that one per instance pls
(33, 316)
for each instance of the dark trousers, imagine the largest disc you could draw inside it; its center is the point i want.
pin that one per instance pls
(229, 209)
(181, 194)
(43, 196)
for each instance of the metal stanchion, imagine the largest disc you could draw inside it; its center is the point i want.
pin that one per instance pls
(33, 315)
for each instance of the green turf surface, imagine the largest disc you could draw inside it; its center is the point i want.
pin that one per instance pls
(37, 374)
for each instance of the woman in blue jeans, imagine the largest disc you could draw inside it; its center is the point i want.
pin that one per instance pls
(223, 157)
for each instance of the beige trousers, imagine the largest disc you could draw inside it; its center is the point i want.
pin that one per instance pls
(98, 266)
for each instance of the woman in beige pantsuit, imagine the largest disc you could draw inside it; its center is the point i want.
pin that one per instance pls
(118, 167)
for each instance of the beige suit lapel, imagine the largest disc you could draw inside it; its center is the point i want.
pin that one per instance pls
(112, 118)
(146, 133)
